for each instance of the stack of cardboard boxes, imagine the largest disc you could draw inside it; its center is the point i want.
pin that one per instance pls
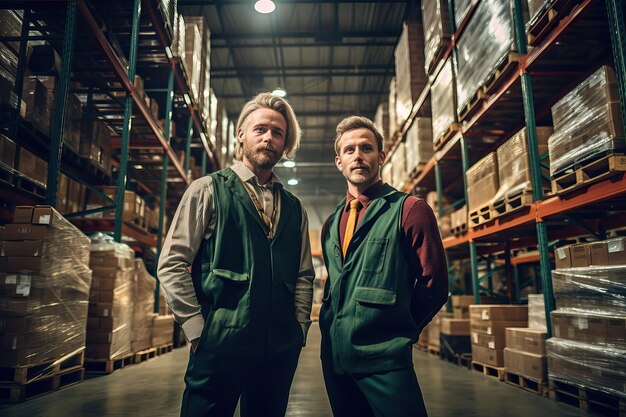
(410, 74)
(455, 330)
(143, 308)
(44, 288)
(488, 324)
(162, 330)
(111, 299)
(419, 145)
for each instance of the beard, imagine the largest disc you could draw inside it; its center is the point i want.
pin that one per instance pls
(364, 176)
(262, 158)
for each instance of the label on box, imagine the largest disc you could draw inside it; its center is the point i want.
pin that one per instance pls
(475, 336)
(44, 219)
(491, 344)
(105, 312)
(616, 245)
(557, 331)
(14, 342)
(489, 330)
(485, 314)
(10, 279)
(582, 323)
(560, 252)
(23, 286)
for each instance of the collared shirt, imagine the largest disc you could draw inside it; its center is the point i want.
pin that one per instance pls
(194, 221)
(422, 246)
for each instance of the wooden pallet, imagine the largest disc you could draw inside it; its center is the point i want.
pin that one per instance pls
(526, 383)
(162, 350)
(508, 64)
(20, 392)
(30, 186)
(107, 366)
(481, 215)
(6, 176)
(447, 135)
(587, 399)
(458, 230)
(548, 20)
(471, 106)
(439, 53)
(512, 204)
(145, 355)
(589, 173)
(460, 359)
(29, 373)
(489, 370)
(434, 350)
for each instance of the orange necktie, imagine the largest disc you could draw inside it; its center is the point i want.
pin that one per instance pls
(351, 225)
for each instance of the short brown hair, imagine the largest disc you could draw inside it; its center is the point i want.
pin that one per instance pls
(358, 122)
(282, 106)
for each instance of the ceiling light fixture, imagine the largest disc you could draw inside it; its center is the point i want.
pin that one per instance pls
(264, 6)
(279, 92)
(292, 181)
(289, 164)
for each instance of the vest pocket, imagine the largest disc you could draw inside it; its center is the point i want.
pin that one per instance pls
(372, 314)
(375, 255)
(232, 298)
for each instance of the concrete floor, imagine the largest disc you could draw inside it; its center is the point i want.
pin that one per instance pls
(154, 389)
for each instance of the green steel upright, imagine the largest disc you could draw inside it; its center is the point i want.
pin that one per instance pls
(535, 169)
(472, 244)
(617, 27)
(128, 112)
(204, 163)
(169, 100)
(60, 100)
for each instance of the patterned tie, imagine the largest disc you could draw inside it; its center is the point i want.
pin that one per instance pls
(351, 225)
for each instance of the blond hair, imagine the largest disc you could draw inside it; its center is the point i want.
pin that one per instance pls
(358, 122)
(282, 106)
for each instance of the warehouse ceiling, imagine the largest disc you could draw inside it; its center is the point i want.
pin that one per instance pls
(333, 58)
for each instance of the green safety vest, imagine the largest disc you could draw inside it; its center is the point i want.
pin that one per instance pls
(244, 282)
(366, 319)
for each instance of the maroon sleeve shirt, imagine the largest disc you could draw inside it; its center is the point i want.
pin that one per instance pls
(423, 250)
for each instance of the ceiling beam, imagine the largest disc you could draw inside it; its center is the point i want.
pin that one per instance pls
(313, 74)
(372, 34)
(316, 44)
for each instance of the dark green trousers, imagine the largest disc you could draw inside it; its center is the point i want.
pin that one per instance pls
(262, 385)
(387, 394)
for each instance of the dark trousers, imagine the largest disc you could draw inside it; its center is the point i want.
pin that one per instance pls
(263, 387)
(387, 394)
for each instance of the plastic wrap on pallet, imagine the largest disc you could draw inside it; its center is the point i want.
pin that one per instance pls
(461, 8)
(419, 143)
(514, 165)
(482, 181)
(43, 307)
(442, 96)
(585, 365)
(178, 39)
(193, 55)
(398, 164)
(594, 326)
(594, 288)
(535, 9)
(381, 119)
(486, 41)
(111, 298)
(204, 62)
(8, 60)
(536, 312)
(436, 29)
(410, 75)
(393, 117)
(587, 122)
(141, 327)
(386, 173)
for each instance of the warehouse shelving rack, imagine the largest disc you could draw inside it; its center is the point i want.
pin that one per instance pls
(107, 79)
(543, 76)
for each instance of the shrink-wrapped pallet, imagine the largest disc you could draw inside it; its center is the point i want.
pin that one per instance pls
(587, 122)
(461, 8)
(381, 119)
(514, 163)
(410, 75)
(536, 312)
(419, 144)
(482, 181)
(443, 101)
(398, 164)
(393, 118)
(192, 57)
(535, 9)
(485, 44)
(143, 307)
(44, 295)
(436, 30)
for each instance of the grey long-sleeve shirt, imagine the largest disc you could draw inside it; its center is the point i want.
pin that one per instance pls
(195, 220)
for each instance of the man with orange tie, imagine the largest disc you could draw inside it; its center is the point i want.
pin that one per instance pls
(387, 278)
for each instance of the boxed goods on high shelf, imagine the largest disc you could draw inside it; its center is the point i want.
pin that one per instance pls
(33, 167)
(143, 306)
(193, 56)
(393, 113)
(481, 51)
(589, 329)
(95, 144)
(179, 36)
(482, 185)
(7, 151)
(203, 94)
(436, 31)
(461, 8)
(11, 26)
(488, 324)
(444, 222)
(514, 168)
(587, 125)
(44, 288)
(111, 299)
(132, 203)
(398, 165)
(386, 173)
(381, 119)
(419, 145)
(443, 102)
(410, 74)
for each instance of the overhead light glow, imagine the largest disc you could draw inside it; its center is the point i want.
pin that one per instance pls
(289, 164)
(279, 92)
(138, 167)
(264, 6)
(292, 181)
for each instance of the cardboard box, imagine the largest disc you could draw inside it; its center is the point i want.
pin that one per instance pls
(47, 215)
(23, 248)
(494, 327)
(24, 232)
(527, 364)
(526, 340)
(99, 260)
(572, 256)
(487, 356)
(7, 151)
(100, 310)
(23, 214)
(24, 264)
(497, 342)
(482, 181)
(588, 328)
(494, 312)
(33, 167)
(608, 252)
(455, 327)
